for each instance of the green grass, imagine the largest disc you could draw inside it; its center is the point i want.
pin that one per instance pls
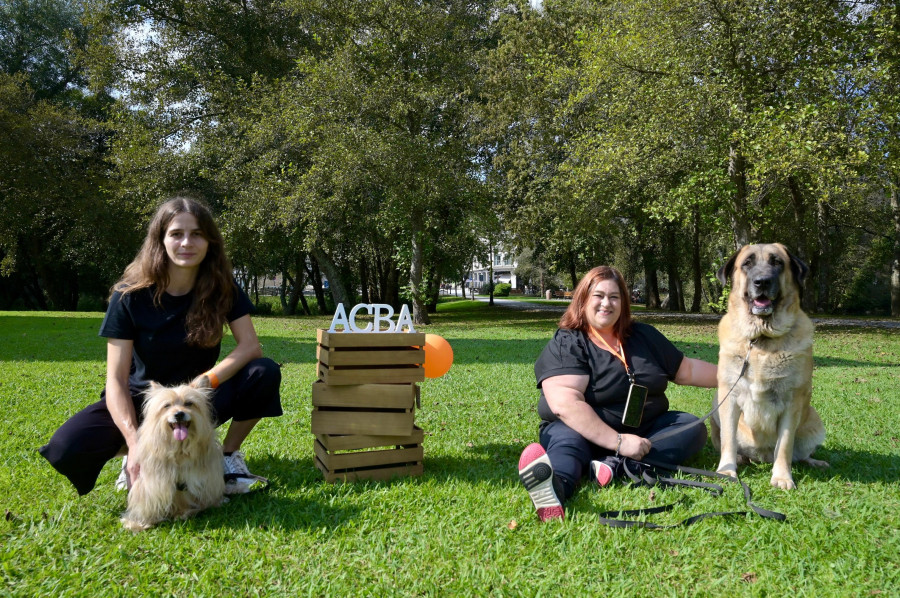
(466, 527)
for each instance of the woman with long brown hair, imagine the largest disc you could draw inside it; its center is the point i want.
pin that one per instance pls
(165, 323)
(598, 362)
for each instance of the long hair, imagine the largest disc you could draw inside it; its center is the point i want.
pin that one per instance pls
(214, 287)
(574, 318)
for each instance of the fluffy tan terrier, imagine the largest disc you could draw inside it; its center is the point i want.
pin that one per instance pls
(182, 469)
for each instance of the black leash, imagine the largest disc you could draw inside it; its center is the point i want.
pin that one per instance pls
(642, 473)
(680, 429)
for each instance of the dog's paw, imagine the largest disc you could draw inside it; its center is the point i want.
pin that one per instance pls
(729, 471)
(785, 483)
(134, 526)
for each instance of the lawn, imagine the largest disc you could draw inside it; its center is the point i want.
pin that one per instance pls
(465, 527)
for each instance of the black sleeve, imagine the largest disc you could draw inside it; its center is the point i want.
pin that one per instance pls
(564, 354)
(668, 356)
(118, 322)
(242, 304)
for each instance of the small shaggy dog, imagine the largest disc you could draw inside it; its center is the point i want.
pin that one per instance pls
(182, 470)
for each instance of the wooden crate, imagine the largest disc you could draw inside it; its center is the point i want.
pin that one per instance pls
(376, 358)
(366, 409)
(370, 457)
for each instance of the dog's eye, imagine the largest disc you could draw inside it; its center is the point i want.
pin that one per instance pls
(189, 403)
(167, 405)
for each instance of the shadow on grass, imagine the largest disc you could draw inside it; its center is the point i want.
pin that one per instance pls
(853, 465)
(490, 462)
(279, 507)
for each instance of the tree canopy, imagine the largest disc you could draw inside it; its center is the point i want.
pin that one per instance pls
(385, 146)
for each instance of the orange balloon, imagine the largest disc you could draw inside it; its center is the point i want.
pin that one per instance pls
(438, 356)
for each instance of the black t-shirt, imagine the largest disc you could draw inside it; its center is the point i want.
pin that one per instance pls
(161, 352)
(650, 355)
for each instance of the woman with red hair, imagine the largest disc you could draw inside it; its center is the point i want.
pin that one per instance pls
(598, 358)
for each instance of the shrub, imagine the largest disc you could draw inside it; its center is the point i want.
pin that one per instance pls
(502, 289)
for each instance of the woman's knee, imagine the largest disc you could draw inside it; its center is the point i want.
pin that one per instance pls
(265, 370)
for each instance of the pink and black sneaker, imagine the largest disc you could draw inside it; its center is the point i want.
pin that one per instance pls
(601, 472)
(536, 474)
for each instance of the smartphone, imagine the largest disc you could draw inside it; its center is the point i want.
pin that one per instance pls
(634, 406)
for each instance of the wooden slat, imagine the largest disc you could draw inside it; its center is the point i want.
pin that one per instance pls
(334, 462)
(383, 423)
(379, 357)
(340, 442)
(377, 474)
(377, 396)
(408, 374)
(373, 339)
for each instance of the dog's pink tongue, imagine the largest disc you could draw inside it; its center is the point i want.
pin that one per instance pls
(762, 302)
(179, 431)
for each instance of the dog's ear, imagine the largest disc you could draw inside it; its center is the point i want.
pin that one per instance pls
(201, 382)
(154, 387)
(798, 267)
(724, 273)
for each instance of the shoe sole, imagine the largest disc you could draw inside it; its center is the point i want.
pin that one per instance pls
(602, 473)
(536, 474)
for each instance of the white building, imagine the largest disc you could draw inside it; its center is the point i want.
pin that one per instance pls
(504, 270)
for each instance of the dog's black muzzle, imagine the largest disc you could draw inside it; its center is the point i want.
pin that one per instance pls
(763, 289)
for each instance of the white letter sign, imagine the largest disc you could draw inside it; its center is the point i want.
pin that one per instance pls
(383, 314)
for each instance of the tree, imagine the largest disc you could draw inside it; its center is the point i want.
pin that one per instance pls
(742, 99)
(59, 238)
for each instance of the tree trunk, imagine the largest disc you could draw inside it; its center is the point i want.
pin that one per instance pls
(335, 282)
(420, 312)
(822, 273)
(652, 290)
(802, 247)
(435, 288)
(573, 272)
(674, 284)
(315, 277)
(491, 276)
(289, 303)
(676, 298)
(364, 280)
(895, 262)
(695, 262)
(737, 171)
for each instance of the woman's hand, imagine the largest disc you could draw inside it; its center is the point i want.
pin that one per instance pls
(634, 447)
(201, 381)
(132, 468)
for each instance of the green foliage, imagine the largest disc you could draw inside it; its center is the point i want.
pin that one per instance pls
(390, 144)
(720, 306)
(502, 289)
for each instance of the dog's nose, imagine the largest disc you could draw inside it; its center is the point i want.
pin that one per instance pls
(179, 416)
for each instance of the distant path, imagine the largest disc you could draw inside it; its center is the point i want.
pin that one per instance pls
(662, 315)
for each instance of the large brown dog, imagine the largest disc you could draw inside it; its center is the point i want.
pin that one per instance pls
(768, 416)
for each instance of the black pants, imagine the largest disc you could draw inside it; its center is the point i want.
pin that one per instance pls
(571, 454)
(82, 445)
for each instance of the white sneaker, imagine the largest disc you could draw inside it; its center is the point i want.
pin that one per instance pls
(238, 479)
(122, 480)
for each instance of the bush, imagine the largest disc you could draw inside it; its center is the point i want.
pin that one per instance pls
(502, 289)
